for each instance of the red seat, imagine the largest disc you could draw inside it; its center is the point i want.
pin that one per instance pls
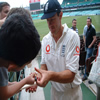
(89, 63)
(82, 61)
(82, 58)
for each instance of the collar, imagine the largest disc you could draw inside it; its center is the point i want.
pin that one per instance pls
(89, 27)
(74, 28)
(52, 41)
(64, 31)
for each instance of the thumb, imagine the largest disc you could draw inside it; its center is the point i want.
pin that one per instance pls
(38, 70)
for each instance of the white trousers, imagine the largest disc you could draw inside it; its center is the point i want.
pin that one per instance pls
(71, 94)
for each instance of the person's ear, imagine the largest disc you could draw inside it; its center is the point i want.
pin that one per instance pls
(11, 67)
(61, 14)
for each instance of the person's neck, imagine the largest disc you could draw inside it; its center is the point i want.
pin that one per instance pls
(59, 34)
(74, 28)
(89, 26)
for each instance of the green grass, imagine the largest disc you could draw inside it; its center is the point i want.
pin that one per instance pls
(87, 94)
(42, 26)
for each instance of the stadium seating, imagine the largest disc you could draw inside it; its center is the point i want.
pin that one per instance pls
(68, 5)
(78, 13)
(78, 3)
(95, 1)
(73, 13)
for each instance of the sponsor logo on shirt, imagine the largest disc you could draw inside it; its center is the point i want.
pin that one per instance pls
(63, 51)
(77, 51)
(47, 49)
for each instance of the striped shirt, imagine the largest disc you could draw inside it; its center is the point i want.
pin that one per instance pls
(75, 30)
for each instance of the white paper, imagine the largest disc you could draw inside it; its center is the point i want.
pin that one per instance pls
(26, 86)
(99, 51)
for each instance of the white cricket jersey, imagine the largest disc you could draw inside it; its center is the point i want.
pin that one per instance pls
(62, 55)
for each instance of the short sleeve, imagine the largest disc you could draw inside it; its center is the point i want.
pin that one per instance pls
(3, 76)
(72, 55)
(93, 26)
(43, 53)
(84, 31)
(94, 32)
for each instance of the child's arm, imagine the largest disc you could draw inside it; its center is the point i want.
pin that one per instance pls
(9, 90)
(34, 88)
(12, 83)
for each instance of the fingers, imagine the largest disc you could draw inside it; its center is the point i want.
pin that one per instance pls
(41, 82)
(38, 70)
(31, 89)
(33, 75)
(27, 89)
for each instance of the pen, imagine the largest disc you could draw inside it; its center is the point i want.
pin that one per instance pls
(35, 78)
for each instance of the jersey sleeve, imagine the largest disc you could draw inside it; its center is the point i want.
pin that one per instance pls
(72, 55)
(43, 53)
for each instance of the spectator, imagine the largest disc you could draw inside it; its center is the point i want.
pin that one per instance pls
(20, 11)
(85, 30)
(19, 44)
(4, 9)
(74, 23)
(89, 40)
(23, 12)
